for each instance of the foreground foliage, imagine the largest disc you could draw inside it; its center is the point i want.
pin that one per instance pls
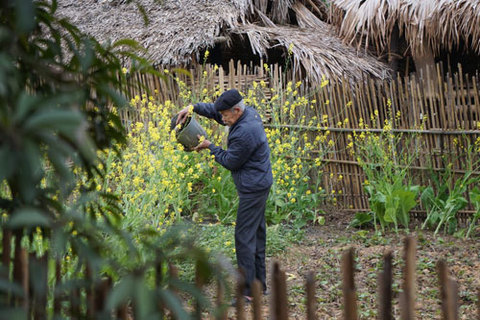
(56, 85)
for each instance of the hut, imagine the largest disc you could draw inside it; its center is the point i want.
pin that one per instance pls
(176, 33)
(426, 31)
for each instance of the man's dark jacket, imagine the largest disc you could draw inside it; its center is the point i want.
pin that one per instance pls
(248, 153)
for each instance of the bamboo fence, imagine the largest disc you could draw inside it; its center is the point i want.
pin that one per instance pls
(441, 108)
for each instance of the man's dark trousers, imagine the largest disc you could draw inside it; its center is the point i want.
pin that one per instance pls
(250, 237)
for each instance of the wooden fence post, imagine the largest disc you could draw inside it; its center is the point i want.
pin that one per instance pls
(221, 308)
(311, 300)
(240, 303)
(385, 289)
(102, 291)
(6, 259)
(90, 291)
(407, 298)
(199, 282)
(20, 271)
(257, 300)
(279, 310)
(349, 294)
(57, 303)
(75, 298)
(448, 292)
(39, 285)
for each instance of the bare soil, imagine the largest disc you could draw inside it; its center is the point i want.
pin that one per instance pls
(321, 251)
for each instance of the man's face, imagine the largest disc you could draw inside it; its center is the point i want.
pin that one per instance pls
(230, 116)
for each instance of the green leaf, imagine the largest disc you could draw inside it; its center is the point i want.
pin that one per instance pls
(427, 197)
(7, 162)
(25, 104)
(63, 120)
(361, 219)
(25, 15)
(28, 218)
(174, 304)
(390, 214)
(121, 292)
(129, 43)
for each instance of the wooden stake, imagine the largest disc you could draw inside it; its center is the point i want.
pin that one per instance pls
(279, 300)
(448, 292)
(311, 300)
(407, 298)
(257, 300)
(39, 283)
(6, 260)
(240, 305)
(385, 289)
(349, 294)
(57, 303)
(20, 271)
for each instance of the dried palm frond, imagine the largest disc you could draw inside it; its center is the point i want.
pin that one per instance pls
(280, 11)
(427, 25)
(176, 28)
(317, 50)
(180, 29)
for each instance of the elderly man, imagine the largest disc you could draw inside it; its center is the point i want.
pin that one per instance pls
(248, 159)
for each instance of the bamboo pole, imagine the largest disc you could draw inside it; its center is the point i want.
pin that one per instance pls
(407, 298)
(311, 300)
(20, 272)
(57, 303)
(349, 293)
(39, 270)
(278, 304)
(90, 292)
(385, 288)
(221, 307)
(257, 300)
(240, 299)
(6, 260)
(448, 292)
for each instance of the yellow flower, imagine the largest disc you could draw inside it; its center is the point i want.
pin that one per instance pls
(290, 48)
(324, 82)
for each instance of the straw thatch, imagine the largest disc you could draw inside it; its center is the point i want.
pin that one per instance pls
(179, 30)
(314, 46)
(175, 28)
(427, 25)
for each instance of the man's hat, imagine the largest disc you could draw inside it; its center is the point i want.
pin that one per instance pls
(227, 100)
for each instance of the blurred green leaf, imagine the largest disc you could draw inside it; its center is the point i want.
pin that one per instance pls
(28, 218)
(62, 120)
(25, 15)
(7, 162)
(173, 303)
(121, 292)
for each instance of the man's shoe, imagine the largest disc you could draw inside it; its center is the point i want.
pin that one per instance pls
(246, 300)
(266, 292)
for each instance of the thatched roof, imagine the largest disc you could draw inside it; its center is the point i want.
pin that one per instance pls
(180, 30)
(426, 24)
(314, 46)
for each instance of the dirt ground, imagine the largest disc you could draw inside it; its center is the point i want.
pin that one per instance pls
(321, 251)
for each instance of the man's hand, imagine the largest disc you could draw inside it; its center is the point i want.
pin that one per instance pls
(183, 114)
(204, 143)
